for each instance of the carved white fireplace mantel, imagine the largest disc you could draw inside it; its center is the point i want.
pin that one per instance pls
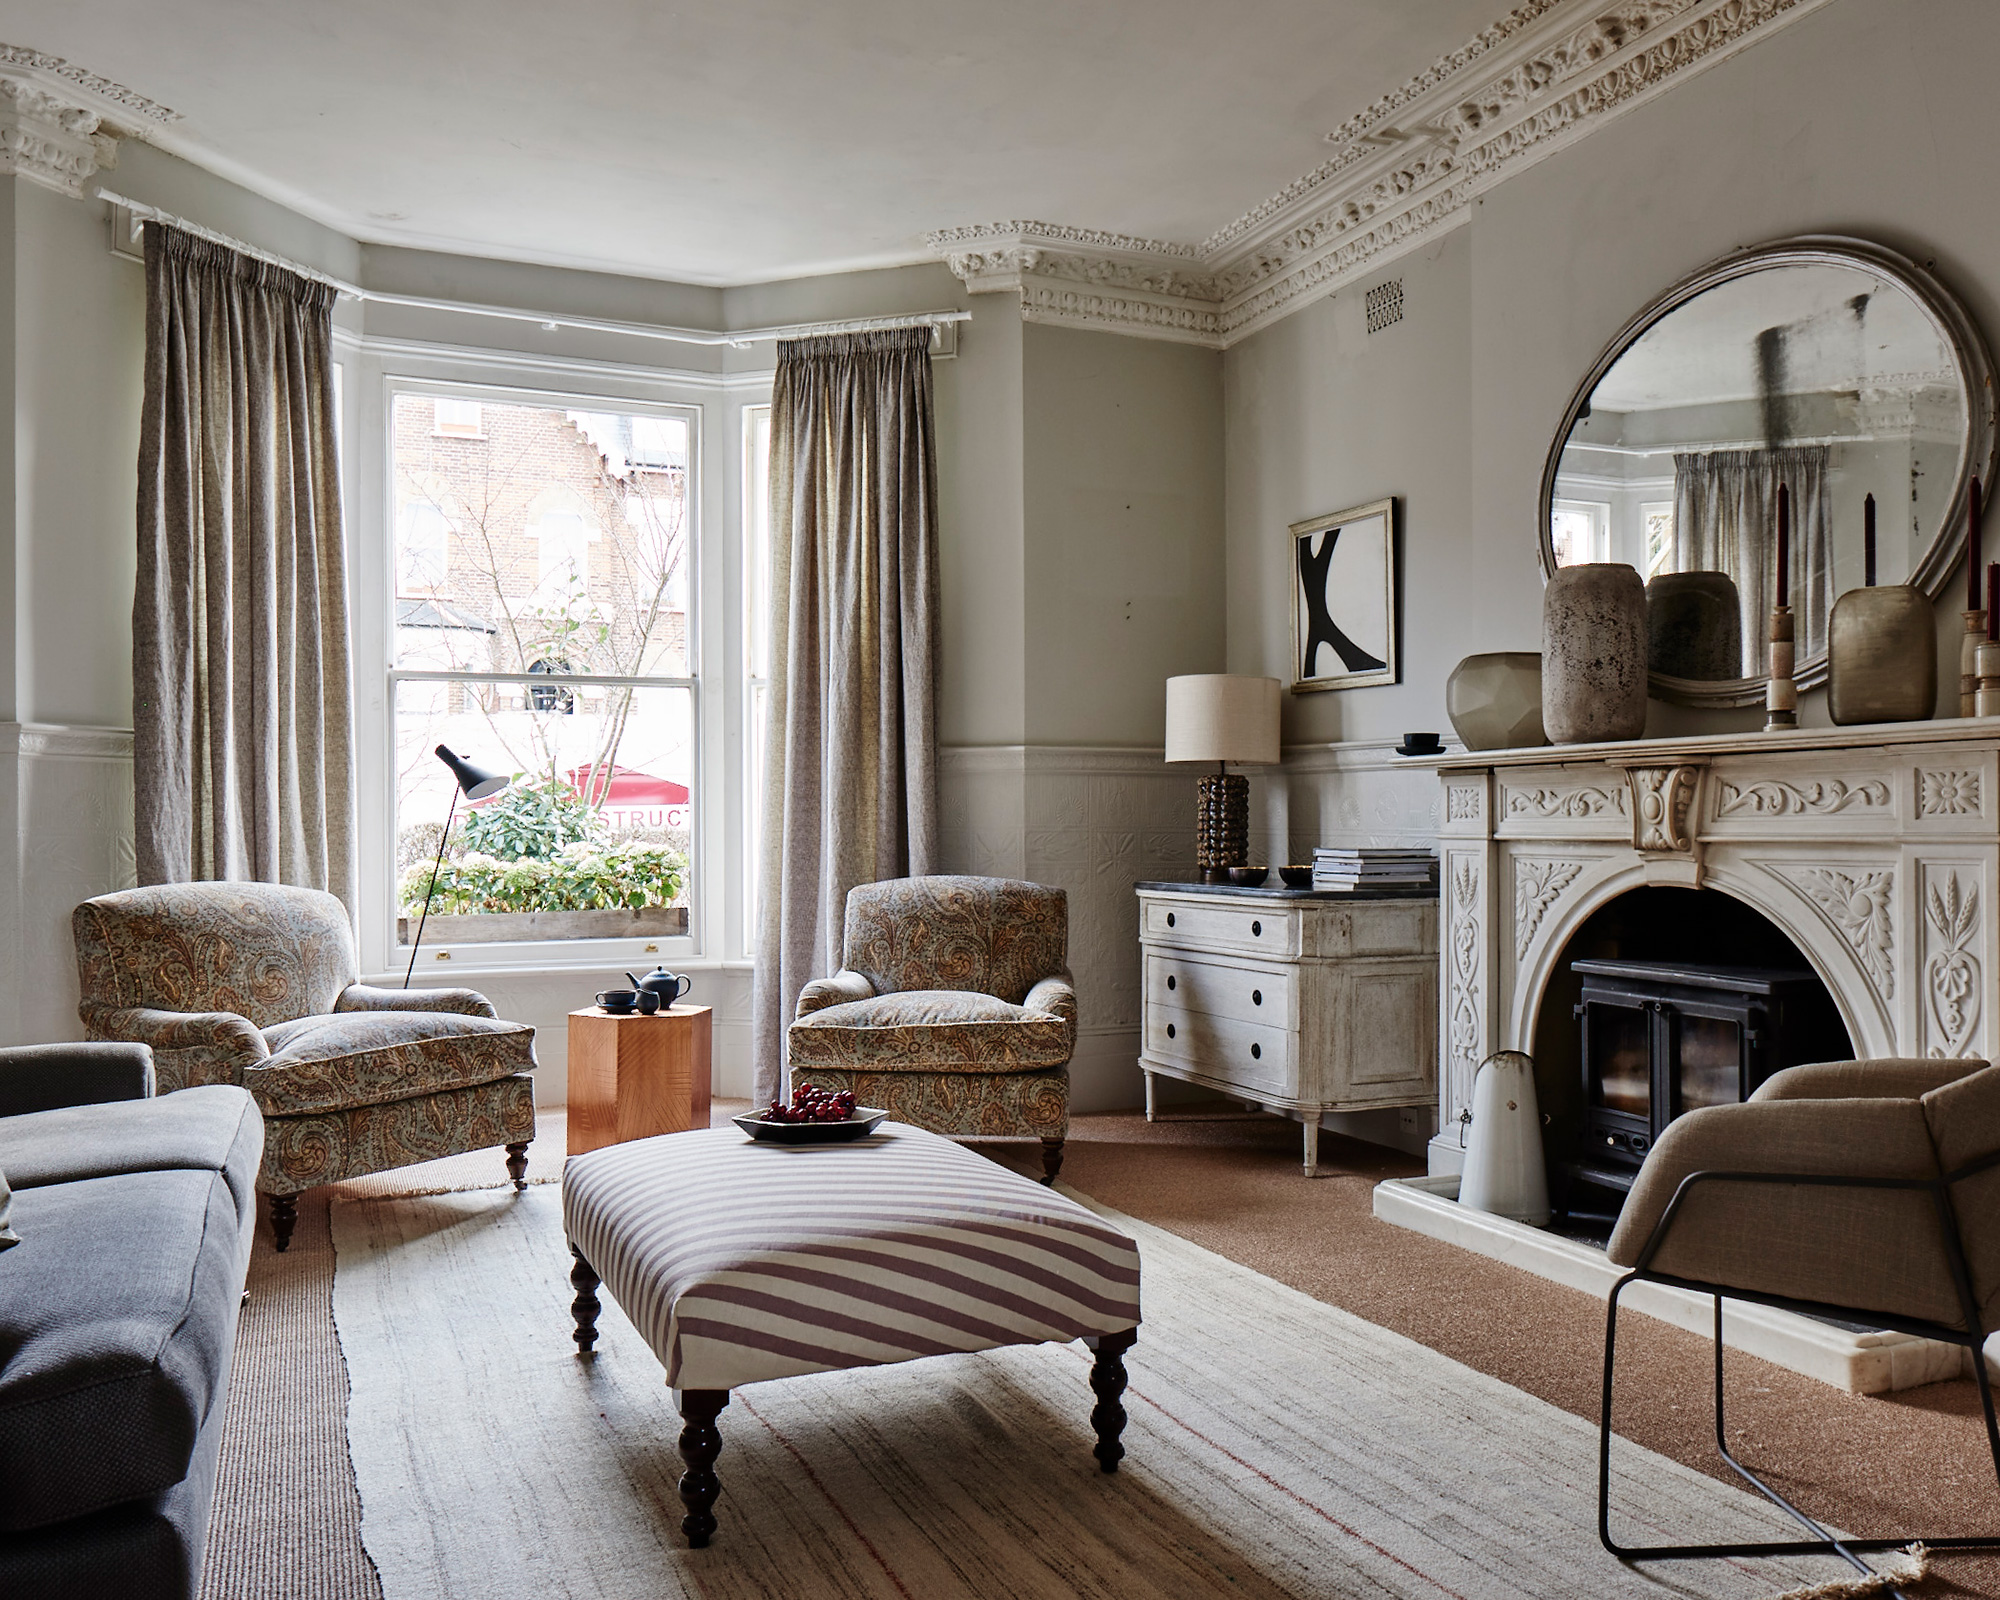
(1874, 849)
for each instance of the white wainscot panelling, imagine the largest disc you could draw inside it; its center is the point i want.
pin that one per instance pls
(69, 790)
(1092, 822)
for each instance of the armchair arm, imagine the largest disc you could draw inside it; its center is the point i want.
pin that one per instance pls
(1055, 994)
(1885, 1078)
(1713, 1205)
(837, 990)
(42, 1077)
(174, 1030)
(364, 997)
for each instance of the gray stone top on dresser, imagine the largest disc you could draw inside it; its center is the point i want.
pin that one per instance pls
(1328, 896)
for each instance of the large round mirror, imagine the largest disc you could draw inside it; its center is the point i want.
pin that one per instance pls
(1832, 366)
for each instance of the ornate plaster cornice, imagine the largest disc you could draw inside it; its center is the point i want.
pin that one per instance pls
(1403, 170)
(60, 125)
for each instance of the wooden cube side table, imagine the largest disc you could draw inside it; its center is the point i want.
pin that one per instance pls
(631, 1077)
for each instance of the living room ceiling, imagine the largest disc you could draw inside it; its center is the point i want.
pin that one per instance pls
(756, 140)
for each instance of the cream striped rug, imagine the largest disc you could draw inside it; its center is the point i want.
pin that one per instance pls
(1277, 1447)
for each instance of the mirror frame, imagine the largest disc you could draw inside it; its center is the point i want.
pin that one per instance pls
(1945, 558)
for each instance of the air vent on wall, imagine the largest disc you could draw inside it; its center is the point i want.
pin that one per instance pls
(1385, 305)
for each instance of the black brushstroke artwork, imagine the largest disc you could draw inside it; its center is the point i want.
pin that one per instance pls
(1320, 626)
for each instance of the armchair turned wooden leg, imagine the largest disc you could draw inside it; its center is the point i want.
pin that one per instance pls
(700, 1444)
(284, 1218)
(584, 1308)
(1052, 1154)
(517, 1164)
(1107, 1382)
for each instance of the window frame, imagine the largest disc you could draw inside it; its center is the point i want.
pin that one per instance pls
(708, 404)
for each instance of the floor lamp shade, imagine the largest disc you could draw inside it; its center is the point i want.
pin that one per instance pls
(1219, 717)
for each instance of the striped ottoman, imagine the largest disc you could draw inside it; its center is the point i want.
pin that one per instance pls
(740, 1262)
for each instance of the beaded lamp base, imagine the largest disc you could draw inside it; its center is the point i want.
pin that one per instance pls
(1222, 825)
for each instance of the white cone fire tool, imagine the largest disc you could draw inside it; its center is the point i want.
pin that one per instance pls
(1503, 1155)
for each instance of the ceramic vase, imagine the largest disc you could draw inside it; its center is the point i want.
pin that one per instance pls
(1881, 656)
(1495, 700)
(1694, 626)
(1594, 654)
(1503, 1147)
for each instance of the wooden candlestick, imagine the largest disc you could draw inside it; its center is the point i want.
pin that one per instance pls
(1781, 694)
(1968, 661)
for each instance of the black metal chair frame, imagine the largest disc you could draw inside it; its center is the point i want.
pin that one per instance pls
(1971, 1336)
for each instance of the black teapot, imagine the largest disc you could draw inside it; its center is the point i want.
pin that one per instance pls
(669, 986)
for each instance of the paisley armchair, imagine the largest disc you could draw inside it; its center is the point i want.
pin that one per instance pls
(253, 984)
(954, 1009)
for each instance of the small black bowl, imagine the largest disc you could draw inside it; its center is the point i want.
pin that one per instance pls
(1420, 744)
(1248, 877)
(1296, 877)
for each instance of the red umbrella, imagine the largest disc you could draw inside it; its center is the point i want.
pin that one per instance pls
(628, 788)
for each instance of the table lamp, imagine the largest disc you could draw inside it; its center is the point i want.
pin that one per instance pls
(1219, 717)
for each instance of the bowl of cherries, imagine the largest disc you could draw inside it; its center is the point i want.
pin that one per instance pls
(813, 1116)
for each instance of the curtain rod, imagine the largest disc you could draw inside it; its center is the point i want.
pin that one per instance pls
(136, 211)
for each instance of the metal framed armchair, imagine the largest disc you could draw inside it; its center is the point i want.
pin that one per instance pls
(954, 1009)
(1863, 1190)
(254, 984)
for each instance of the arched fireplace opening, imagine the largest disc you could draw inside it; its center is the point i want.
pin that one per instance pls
(1681, 983)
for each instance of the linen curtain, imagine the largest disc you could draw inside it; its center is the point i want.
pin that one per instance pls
(1726, 520)
(850, 790)
(243, 760)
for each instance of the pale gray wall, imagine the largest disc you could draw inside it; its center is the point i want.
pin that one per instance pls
(1321, 415)
(1124, 531)
(1870, 117)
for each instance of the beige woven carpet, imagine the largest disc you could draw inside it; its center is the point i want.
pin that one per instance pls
(1278, 1447)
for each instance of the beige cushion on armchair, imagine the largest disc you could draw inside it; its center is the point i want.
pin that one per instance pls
(1871, 1249)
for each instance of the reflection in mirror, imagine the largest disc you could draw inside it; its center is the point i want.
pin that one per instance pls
(1831, 378)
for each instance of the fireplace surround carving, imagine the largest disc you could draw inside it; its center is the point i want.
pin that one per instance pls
(1874, 850)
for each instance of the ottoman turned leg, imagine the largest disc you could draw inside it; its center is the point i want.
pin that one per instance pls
(517, 1164)
(700, 1444)
(284, 1218)
(1107, 1382)
(583, 1278)
(1052, 1154)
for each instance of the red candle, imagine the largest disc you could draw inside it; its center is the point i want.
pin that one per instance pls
(1993, 602)
(1784, 547)
(1868, 542)
(1972, 562)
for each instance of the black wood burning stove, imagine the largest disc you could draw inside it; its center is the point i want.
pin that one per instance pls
(1663, 1037)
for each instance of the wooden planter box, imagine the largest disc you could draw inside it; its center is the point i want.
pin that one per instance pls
(509, 927)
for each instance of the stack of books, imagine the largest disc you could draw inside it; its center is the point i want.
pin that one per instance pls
(1368, 868)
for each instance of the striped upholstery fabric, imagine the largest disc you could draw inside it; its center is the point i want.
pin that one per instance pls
(740, 1262)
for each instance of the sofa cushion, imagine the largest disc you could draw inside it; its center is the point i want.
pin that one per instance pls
(930, 1030)
(7, 1234)
(205, 1130)
(360, 1058)
(117, 1313)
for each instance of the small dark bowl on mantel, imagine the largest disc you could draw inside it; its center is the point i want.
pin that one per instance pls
(1248, 877)
(1296, 877)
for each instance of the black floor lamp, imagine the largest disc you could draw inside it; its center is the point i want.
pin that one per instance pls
(475, 784)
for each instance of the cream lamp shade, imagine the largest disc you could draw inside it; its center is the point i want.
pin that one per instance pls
(1217, 716)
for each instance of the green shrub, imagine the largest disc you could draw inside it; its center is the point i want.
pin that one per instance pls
(580, 876)
(537, 817)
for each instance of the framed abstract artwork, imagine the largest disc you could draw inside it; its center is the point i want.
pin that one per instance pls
(1344, 599)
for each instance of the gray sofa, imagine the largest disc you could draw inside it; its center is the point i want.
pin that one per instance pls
(117, 1318)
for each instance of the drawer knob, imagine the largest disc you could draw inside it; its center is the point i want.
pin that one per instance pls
(1256, 930)
(1170, 980)
(1170, 1030)
(1170, 919)
(1256, 997)
(1256, 1052)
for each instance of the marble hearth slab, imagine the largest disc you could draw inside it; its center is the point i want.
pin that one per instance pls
(1860, 1363)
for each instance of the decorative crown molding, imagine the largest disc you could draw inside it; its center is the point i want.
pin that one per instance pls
(60, 125)
(1539, 79)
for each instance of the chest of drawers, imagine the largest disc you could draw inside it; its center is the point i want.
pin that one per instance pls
(1298, 1003)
